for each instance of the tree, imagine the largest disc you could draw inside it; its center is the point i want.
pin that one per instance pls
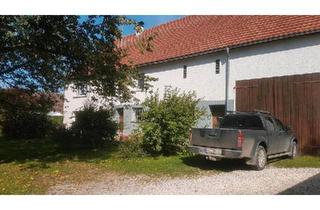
(47, 53)
(24, 115)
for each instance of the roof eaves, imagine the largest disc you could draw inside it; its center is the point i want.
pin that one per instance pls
(289, 35)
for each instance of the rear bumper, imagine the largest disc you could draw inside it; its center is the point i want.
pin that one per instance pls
(216, 152)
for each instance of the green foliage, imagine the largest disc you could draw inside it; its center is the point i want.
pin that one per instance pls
(166, 123)
(24, 115)
(26, 125)
(57, 120)
(152, 139)
(132, 147)
(50, 52)
(93, 127)
(65, 138)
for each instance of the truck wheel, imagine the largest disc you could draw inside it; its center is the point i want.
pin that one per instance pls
(261, 158)
(294, 150)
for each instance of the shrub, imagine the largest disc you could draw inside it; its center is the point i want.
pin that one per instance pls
(57, 120)
(132, 147)
(64, 138)
(152, 140)
(93, 127)
(24, 114)
(26, 125)
(166, 123)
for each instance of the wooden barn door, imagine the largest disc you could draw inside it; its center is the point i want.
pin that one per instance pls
(295, 100)
(307, 111)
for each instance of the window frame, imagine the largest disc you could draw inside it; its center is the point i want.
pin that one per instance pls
(82, 91)
(217, 67)
(140, 82)
(275, 127)
(137, 111)
(185, 72)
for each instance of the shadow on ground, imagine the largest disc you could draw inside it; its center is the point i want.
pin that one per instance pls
(222, 165)
(45, 151)
(310, 186)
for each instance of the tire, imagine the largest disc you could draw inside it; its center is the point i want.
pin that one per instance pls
(294, 150)
(260, 158)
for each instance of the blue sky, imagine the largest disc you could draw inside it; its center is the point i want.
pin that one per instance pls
(149, 21)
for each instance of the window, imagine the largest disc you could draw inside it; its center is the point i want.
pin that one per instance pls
(217, 66)
(82, 90)
(270, 124)
(280, 124)
(137, 117)
(242, 122)
(141, 82)
(184, 72)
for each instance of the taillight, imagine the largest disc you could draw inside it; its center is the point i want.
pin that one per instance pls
(240, 138)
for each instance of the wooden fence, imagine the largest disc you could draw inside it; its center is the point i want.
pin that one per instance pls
(295, 100)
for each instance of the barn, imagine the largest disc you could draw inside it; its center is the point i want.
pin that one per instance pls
(232, 63)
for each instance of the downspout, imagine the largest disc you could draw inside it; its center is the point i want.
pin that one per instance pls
(227, 79)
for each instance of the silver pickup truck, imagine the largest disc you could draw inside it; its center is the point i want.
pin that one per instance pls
(253, 136)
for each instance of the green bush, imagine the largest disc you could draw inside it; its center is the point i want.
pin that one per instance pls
(93, 127)
(65, 138)
(26, 125)
(166, 123)
(57, 120)
(152, 139)
(24, 114)
(132, 147)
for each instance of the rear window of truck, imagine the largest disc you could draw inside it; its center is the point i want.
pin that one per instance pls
(242, 122)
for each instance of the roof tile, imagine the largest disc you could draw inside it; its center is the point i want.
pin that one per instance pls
(197, 34)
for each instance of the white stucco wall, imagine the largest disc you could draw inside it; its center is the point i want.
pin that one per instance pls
(72, 103)
(284, 57)
(292, 56)
(201, 76)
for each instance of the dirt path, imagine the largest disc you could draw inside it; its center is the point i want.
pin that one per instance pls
(269, 181)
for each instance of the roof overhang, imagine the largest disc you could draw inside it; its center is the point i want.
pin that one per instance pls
(245, 44)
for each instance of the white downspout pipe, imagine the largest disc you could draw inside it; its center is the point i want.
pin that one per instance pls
(227, 79)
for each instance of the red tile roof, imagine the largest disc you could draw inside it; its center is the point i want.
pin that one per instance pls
(194, 35)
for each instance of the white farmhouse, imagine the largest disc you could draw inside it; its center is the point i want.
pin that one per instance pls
(208, 54)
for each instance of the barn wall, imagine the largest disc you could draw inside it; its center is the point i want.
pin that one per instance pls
(292, 56)
(293, 99)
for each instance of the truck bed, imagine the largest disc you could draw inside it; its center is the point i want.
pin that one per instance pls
(225, 138)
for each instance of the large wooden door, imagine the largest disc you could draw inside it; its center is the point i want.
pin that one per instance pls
(295, 100)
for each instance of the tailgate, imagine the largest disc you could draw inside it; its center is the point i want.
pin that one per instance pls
(215, 137)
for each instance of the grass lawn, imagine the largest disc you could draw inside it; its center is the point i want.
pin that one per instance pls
(32, 166)
(299, 162)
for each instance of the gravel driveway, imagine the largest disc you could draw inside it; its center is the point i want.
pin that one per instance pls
(269, 181)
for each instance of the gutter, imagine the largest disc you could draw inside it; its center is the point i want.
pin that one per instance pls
(227, 79)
